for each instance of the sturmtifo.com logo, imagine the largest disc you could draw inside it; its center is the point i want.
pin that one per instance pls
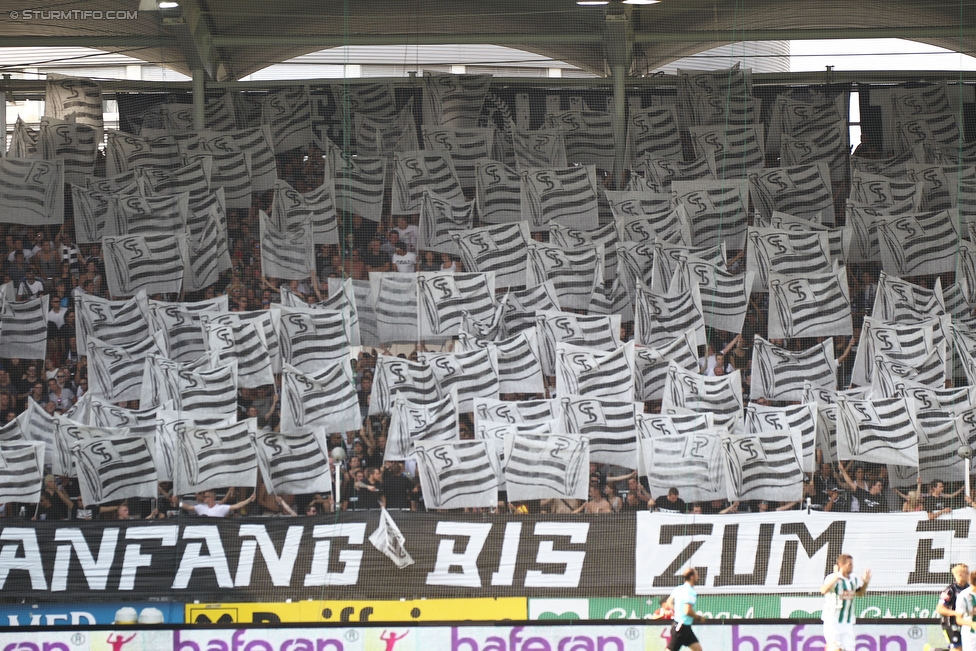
(72, 14)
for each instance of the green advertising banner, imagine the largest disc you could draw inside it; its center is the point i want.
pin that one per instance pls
(734, 607)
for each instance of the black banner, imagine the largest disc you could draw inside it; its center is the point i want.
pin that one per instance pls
(273, 559)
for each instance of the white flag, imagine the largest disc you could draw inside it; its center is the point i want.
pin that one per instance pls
(325, 399)
(878, 431)
(116, 468)
(539, 467)
(216, 457)
(293, 463)
(462, 474)
(390, 541)
(780, 374)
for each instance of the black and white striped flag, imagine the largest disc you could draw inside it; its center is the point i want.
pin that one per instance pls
(154, 215)
(896, 166)
(957, 401)
(594, 373)
(900, 300)
(67, 433)
(879, 191)
(801, 418)
(23, 142)
(738, 150)
(520, 306)
(662, 172)
(454, 100)
(653, 132)
(514, 412)
(31, 191)
(635, 266)
(341, 299)
(574, 272)
(21, 471)
(312, 339)
(546, 466)
(256, 144)
(826, 402)
(325, 399)
(912, 245)
(94, 214)
(599, 332)
(376, 136)
(115, 372)
(891, 375)
(939, 436)
(208, 396)
(724, 295)
(395, 301)
(809, 306)
(829, 147)
(881, 430)
(289, 114)
(937, 129)
(75, 145)
(24, 328)
(207, 253)
(717, 211)
(445, 299)
(652, 364)
(394, 376)
(292, 207)
(647, 216)
(544, 148)
(720, 395)
(498, 192)
(467, 148)
(772, 250)
(38, 425)
(691, 461)
(390, 541)
(669, 258)
(231, 172)
(181, 326)
(658, 315)
(102, 413)
(493, 434)
(151, 263)
(116, 468)
(440, 220)
(377, 100)
(605, 236)
(588, 136)
(192, 178)
(610, 425)
(119, 323)
(458, 474)
(908, 343)
(287, 254)
(411, 422)
(242, 344)
(215, 457)
(766, 465)
(725, 82)
(726, 109)
(519, 364)
(75, 99)
(125, 152)
(417, 172)
(500, 249)
(468, 375)
(839, 239)
(293, 464)
(566, 196)
(780, 374)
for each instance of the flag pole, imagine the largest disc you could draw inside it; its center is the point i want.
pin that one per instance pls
(338, 455)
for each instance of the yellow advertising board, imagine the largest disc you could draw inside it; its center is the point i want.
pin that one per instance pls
(410, 610)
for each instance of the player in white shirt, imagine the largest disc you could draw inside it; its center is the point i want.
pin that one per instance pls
(966, 618)
(839, 590)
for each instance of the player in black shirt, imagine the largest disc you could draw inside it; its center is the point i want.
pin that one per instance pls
(947, 605)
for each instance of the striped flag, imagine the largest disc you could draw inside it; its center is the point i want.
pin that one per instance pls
(376, 136)
(312, 339)
(515, 412)
(293, 464)
(377, 100)
(467, 148)
(956, 401)
(541, 466)
(939, 436)
(342, 299)
(289, 253)
(498, 192)
(635, 266)
(877, 430)
(76, 145)
(445, 299)
(362, 295)
(839, 239)
(317, 207)
(207, 253)
(21, 471)
(180, 326)
(116, 468)
(574, 272)
(610, 426)
(289, 114)
(594, 373)
(566, 196)
(908, 343)
(113, 322)
(662, 172)
(646, 216)
(67, 433)
(940, 184)
(826, 401)
(395, 375)
(151, 263)
(127, 184)
(881, 192)
(468, 375)
(898, 300)
(359, 182)
(519, 363)
(913, 245)
(500, 249)
(388, 539)
(94, 214)
(723, 109)
(520, 306)
(938, 129)
(588, 136)
(411, 422)
(896, 166)
(691, 461)
(454, 101)
(24, 328)
(764, 466)
(773, 250)
(325, 399)
(155, 215)
(493, 435)
(125, 152)
(658, 315)
(231, 172)
(717, 211)
(23, 142)
(206, 395)
(670, 257)
(192, 178)
(255, 143)
(395, 301)
(544, 148)
(725, 82)
(115, 372)
(720, 395)
(829, 147)
(75, 99)
(652, 364)
(461, 474)
(605, 236)
(780, 374)
(801, 418)
(243, 345)
(653, 132)
(440, 220)
(37, 425)
(102, 413)
(724, 295)
(890, 375)
(209, 458)
(32, 191)
(809, 306)
(417, 172)
(738, 150)
(599, 332)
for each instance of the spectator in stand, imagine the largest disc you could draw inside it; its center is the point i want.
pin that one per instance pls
(6, 386)
(871, 500)
(31, 286)
(449, 264)
(375, 258)
(17, 268)
(636, 488)
(353, 266)
(409, 233)
(398, 489)
(209, 507)
(597, 503)
(404, 261)
(55, 503)
(46, 259)
(936, 503)
(371, 495)
(62, 397)
(429, 262)
(669, 503)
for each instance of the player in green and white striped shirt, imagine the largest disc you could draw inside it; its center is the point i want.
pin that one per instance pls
(839, 590)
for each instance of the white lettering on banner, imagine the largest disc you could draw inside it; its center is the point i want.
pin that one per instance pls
(134, 558)
(509, 555)
(96, 569)
(351, 559)
(30, 560)
(792, 551)
(279, 567)
(193, 559)
(572, 560)
(477, 534)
